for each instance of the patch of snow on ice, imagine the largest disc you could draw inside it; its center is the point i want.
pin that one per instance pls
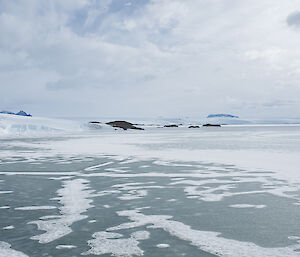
(9, 227)
(4, 207)
(145, 166)
(211, 242)
(294, 237)
(38, 173)
(95, 167)
(162, 245)
(74, 199)
(65, 246)
(206, 190)
(61, 178)
(134, 190)
(247, 206)
(6, 192)
(114, 244)
(7, 251)
(33, 208)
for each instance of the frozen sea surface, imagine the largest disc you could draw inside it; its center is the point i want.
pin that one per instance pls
(230, 191)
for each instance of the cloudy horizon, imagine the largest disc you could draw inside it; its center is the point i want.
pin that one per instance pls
(149, 58)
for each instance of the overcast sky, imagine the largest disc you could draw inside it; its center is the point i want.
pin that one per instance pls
(150, 58)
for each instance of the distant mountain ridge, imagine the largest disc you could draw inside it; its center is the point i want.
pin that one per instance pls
(20, 113)
(222, 115)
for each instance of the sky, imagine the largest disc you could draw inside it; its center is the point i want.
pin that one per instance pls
(150, 58)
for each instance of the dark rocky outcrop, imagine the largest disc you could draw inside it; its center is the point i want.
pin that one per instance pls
(123, 124)
(194, 127)
(211, 125)
(171, 126)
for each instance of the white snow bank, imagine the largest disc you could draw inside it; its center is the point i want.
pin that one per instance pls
(19, 125)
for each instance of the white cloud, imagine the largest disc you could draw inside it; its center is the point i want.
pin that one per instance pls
(166, 57)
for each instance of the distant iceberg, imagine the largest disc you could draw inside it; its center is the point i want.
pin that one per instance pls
(20, 113)
(222, 115)
(225, 119)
